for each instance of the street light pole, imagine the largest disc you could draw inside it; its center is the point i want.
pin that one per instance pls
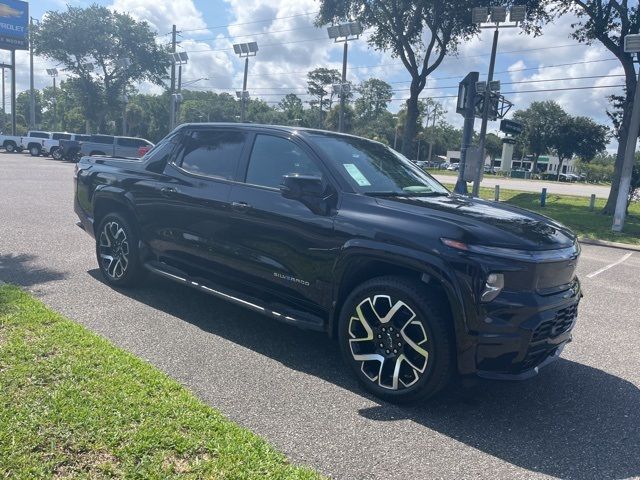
(485, 113)
(631, 45)
(344, 33)
(245, 50)
(243, 106)
(32, 92)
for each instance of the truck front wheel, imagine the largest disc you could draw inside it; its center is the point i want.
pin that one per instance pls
(117, 251)
(397, 339)
(35, 150)
(10, 147)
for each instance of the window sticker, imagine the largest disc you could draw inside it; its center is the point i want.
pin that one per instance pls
(356, 174)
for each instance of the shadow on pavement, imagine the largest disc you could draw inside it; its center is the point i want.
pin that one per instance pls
(18, 269)
(572, 421)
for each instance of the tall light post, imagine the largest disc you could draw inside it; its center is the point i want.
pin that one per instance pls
(123, 64)
(53, 73)
(492, 18)
(395, 135)
(32, 91)
(179, 59)
(344, 32)
(245, 50)
(631, 46)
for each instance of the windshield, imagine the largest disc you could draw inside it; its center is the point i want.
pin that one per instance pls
(374, 169)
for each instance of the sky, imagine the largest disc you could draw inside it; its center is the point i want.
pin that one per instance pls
(290, 45)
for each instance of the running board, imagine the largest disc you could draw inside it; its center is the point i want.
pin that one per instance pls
(172, 273)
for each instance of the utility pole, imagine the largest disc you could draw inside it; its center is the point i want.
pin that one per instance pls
(172, 105)
(13, 92)
(485, 113)
(32, 92)
(631, 45)
(342, 86)
(55, 105)
(4, 104)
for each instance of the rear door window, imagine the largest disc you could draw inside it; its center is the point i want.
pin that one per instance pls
(214, 153)
(39, 135)
(274, 157)
(61, 136)
(131, 142)
(106, 139)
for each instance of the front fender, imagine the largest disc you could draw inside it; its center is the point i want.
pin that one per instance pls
(359, 250)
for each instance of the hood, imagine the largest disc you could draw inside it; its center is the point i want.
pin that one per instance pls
(487, 223)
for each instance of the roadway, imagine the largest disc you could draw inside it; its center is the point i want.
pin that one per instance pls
(578, 419)
(578, 189)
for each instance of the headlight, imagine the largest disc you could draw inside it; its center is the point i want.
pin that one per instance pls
(492, 287)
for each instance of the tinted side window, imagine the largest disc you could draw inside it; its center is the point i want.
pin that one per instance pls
(131, 142)
(83, 138)
(274, 157)
(102, 139)
(61, 136)
(213, 153)
(39, 135)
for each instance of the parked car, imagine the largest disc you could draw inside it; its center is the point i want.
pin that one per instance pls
(453, 167)
(11, 143)
(68, 149)
(142, 151)
(33, 140)
(126, 147)
(422, 163)
(340, 234)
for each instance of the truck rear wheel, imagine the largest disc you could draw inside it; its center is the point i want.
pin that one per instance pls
(56, 154)
(117, 251)
(397, 338)
(35, 150)
(10, 147)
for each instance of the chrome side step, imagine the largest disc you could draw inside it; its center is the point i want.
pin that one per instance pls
(156, 268)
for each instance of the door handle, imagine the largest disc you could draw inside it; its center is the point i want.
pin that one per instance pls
(240, 206)
(166, 191)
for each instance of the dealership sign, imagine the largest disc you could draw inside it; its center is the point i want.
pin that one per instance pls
(14, 21)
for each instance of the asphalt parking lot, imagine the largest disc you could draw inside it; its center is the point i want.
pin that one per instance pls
(580, 418)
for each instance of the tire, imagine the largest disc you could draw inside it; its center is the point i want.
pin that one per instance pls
(411, 353)
(35, 150)
(56, 154)
(10, 147)
(117, 251)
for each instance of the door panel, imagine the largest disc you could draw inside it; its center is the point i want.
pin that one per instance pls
(279, 244)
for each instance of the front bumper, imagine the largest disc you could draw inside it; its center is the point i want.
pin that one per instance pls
(519, 333)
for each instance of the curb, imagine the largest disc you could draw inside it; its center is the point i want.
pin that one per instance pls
(605, 243)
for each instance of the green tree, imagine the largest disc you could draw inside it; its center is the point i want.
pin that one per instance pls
(320, 86)
(608, 22)
(578, 136)
(292, 108)
(420, 33)
(541, 122)
(374, 96)
(103, 38)
(493, 144)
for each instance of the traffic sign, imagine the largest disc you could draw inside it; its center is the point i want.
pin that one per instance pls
(511, 127)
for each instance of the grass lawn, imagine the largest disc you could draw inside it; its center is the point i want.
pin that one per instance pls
(72, 405)
(574, 213)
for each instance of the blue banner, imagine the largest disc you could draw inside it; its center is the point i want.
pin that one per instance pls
(14, 25)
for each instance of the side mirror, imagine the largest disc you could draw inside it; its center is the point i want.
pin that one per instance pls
(299, 187)
(308, 190)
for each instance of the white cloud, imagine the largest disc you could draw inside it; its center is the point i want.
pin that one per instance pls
(161, 15)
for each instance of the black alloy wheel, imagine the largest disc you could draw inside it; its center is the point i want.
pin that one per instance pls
(117, 251)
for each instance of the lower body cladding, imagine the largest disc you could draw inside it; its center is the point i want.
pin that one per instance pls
(520, 333)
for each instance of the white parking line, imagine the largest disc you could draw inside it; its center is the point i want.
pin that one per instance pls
(598, 272)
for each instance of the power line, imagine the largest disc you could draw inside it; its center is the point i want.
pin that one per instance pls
(250, 23)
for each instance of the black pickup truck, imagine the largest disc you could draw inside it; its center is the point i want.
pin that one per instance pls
(341, 234)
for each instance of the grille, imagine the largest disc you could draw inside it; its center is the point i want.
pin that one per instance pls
(552, 328)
